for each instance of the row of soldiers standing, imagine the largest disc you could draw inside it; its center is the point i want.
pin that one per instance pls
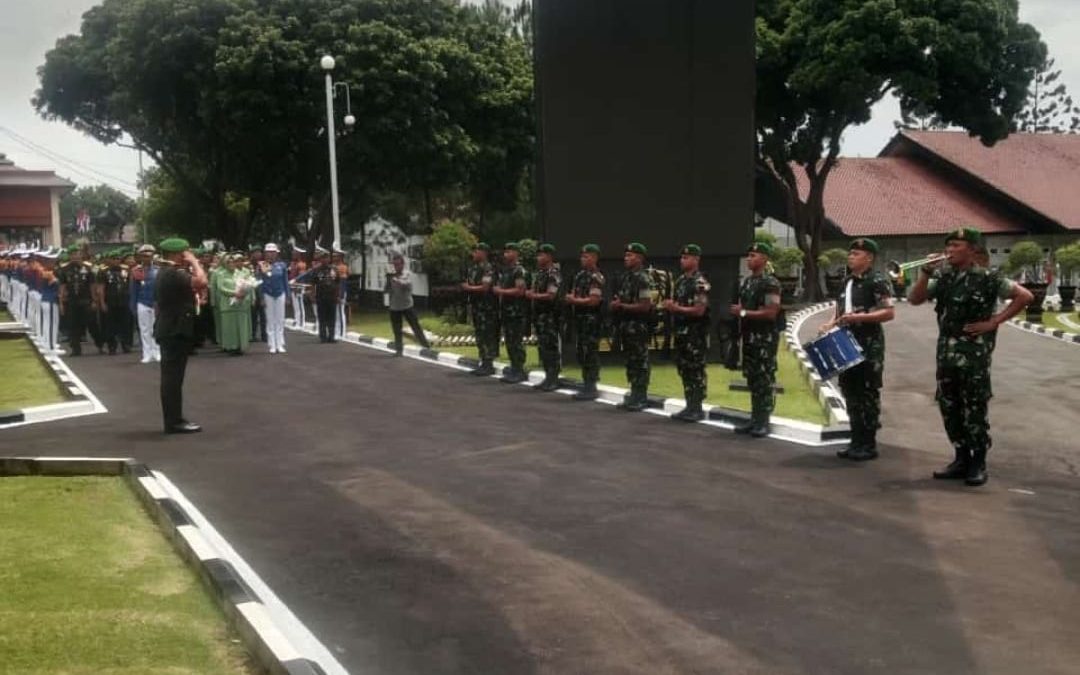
(502, 300)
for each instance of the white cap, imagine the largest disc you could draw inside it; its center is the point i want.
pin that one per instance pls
(147, 248)
(271, 248)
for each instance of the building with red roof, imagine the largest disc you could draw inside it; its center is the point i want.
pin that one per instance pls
(30, 204)
(927, 183)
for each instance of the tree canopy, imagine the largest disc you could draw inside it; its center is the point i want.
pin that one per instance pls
(228, 98)
(823, 64)
(108, 208)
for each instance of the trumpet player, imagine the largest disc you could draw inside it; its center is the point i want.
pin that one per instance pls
(966, 296)
(274, 277)
(865, 303)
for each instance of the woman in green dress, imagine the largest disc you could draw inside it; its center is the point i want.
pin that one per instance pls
(235, 288)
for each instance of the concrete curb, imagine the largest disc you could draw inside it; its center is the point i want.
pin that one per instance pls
(780, 428)
(279, 649)
(827, 393)
(1039, 329)
(81, 400)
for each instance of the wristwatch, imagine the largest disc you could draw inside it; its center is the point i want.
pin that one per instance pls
(742, 313)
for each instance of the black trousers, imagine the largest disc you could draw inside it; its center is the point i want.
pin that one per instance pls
(326, 310)
(414, 323)
(77, 316)
(118, 327)
(174, 357)
(258, 320)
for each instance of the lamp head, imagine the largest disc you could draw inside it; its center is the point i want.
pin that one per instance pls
(350, 120)
(327, 62)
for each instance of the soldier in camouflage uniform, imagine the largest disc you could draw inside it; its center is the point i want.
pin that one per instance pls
(689, 308)
(585, 297)
(632, 306)
(479, 280)
(544, 295)
(758, 309)
(513, 282)
(865, 303)
(966, 297)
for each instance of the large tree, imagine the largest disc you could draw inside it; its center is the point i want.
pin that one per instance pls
(227, 97)
(823, 64)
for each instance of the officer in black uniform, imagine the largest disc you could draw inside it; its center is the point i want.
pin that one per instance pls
(180, 278)
(328, 288)
(114, 295)
(76, 297)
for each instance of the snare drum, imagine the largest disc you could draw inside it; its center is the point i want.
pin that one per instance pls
(834, 352)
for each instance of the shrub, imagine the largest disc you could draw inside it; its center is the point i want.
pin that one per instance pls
(786, 259)
(1068, 258)
(1025, 256)
(833, 260)
(447, 251)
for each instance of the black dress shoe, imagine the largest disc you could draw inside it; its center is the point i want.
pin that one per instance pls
(976, 475)
(183, 428)
(863, 453)
(760, 430)
(634, 404)
(690, 415)
(957, 470)
(588, 392)
(548, 384)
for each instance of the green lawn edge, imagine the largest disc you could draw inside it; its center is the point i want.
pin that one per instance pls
(26, 381)
(93, 585)
(1052, 321)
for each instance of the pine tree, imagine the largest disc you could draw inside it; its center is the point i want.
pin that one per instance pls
(1050, 108)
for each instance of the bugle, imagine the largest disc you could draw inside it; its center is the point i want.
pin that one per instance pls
(896, 269)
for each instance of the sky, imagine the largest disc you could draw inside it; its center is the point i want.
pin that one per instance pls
(29, 28)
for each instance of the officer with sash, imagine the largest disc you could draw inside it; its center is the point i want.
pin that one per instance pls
(865, 303)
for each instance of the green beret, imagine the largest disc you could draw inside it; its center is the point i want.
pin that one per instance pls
(691, 249)
(762, 247)
(864, 244)
(511, 246)
(481, 246)
(545, 248)
(968, 234)
(590, 248)
(635, 247)
(174, 245)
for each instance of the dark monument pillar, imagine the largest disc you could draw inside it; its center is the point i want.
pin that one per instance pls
(647, 129)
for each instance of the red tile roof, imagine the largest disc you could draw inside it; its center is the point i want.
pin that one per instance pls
(1040, 170)
(896, 196)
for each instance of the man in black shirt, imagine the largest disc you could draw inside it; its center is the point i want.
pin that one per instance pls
(181, 277)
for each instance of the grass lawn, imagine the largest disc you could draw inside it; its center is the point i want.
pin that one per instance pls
(797, 401)
(5, 317)
(92, 586)
(1051, 320)
(24, 380)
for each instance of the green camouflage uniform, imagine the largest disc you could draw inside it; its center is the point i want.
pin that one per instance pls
(546, 319)
(485, 312)
(963, 361)
(861, 385)
(760, 340)
(692, 336)
(635, 330)
(513, 313)
(587, 322)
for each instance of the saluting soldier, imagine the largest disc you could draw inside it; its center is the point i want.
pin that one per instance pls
(689, 308)
(327, 291)
(513, 282)
(76, 297)
(865, 303)
(174, 296)
(478, 284)
(544, 295)
(966, 297)
(759, 307)
(586, 298)
(632, 305)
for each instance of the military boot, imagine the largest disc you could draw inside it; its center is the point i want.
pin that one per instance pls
(957, 469)
(976, 470)
(866, 450)
(760, 428)
(486, 368)
(853, 446)
(587, 392)
(744, 427)
(551, 381)
(691, 413)
(636, 401)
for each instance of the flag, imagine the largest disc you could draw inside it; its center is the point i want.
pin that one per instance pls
(82, 221)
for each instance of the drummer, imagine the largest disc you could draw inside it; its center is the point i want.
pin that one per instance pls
(864, 304)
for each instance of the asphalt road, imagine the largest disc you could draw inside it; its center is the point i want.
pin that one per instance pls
(421, 521)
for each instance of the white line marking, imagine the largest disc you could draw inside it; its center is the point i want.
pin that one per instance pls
(300, 636)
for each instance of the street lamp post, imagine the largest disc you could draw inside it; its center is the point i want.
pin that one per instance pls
(327, 63)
